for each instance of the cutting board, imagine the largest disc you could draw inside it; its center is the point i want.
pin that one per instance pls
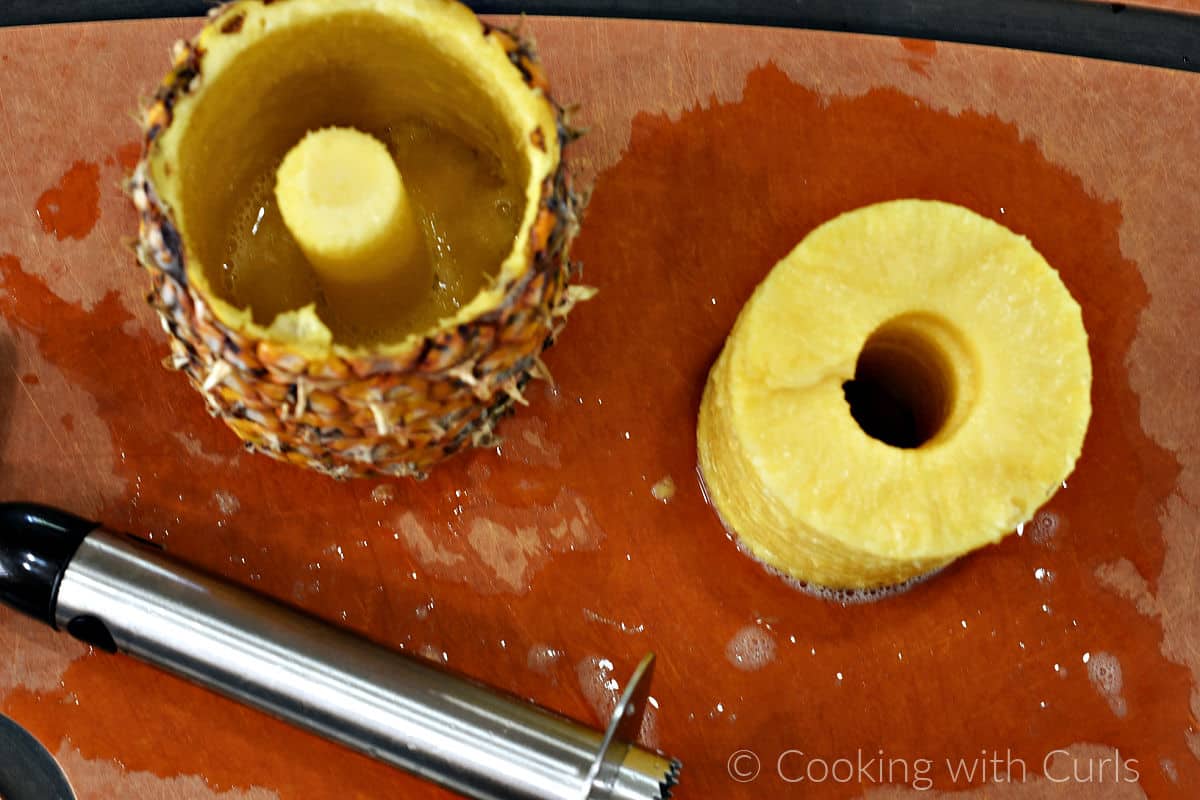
(1065, 659)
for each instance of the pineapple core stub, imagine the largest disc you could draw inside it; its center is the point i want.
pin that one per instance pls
(343, 200)
(909, 384)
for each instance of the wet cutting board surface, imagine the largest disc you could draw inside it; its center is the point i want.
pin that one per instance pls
(1068, 656)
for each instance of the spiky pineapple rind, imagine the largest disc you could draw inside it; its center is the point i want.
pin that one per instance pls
(359, 415)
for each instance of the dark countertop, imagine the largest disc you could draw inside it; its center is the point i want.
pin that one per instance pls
(1162, 37)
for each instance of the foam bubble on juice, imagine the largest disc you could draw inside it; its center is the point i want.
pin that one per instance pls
(603, 692)
(423, 611)
(648, 733)
(1104, 671)
(851, 597)
(1043, 526)
(431, 653)
(599, 687)
(227, 502)
(750, 649)
(845, 597)
(623, 627)
(383, 494)
(543, 659)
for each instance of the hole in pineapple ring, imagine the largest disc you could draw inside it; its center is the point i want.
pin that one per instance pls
(911, 381)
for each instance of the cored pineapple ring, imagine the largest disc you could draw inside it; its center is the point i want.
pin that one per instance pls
(907, 385)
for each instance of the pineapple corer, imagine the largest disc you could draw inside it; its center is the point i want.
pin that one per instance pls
(121, 594)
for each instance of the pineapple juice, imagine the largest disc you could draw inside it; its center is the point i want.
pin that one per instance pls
(468, 211)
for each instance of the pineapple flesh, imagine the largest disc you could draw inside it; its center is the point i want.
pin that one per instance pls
(909, 384)
(356, 217)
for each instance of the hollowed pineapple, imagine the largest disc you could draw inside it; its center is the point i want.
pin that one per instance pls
(320, 334)
(907, 385)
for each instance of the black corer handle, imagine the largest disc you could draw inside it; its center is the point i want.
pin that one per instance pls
(36, 544)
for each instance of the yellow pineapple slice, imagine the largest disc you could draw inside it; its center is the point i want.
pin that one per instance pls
(907, 385)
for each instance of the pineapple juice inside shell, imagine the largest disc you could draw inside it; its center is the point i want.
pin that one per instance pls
(467, 213)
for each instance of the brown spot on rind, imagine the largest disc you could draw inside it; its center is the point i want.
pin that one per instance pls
(234, 25)
(522, 55)
(538, 138)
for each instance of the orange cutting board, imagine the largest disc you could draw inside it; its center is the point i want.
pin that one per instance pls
(1067, 657)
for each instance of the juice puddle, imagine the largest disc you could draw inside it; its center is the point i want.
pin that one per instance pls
(728, 191)
(128, 155)
(345, 551)
(72, 208)
(919, 54)
(961, 663)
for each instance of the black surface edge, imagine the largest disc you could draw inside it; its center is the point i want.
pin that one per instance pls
(27, 769)
(1109, 31)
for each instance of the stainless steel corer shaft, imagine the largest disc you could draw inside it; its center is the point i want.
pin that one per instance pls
(122, 594)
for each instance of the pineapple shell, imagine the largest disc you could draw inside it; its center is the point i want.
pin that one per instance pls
(350, 413)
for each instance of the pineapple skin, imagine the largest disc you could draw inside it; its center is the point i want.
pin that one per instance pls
(374, 415)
